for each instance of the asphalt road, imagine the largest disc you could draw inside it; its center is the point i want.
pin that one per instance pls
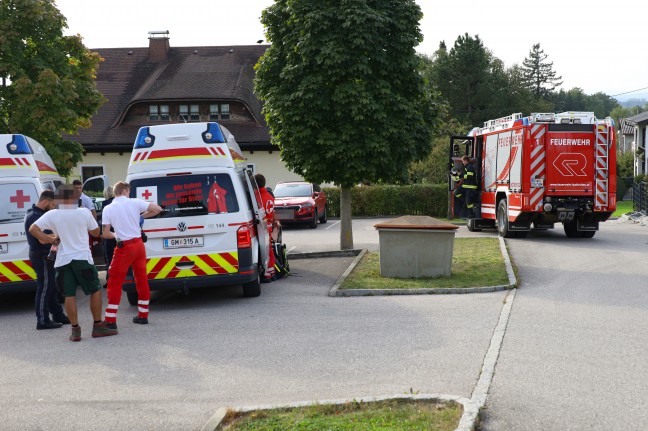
(574, 354)
(214, 348)
(572, 358)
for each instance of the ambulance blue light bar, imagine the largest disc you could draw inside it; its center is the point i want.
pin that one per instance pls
(144, 138)
(213, 134)
(19, 145)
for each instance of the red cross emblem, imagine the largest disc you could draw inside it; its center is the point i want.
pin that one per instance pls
(20, 199)
(146, 195)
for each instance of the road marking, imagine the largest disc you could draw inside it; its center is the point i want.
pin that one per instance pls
(334, 224)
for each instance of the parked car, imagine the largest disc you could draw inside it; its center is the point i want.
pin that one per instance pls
(300, 202)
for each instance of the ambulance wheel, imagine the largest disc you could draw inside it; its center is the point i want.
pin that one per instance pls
(253, 288)
(502, 220)
(132, 297)
(471, 225)
(324, 218)
(313, 223)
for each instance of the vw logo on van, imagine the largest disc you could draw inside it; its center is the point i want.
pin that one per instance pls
(181, 226)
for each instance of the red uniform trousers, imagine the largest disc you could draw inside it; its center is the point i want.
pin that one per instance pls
(131, 254)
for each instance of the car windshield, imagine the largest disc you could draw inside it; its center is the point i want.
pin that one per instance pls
(292, 190)
(16, 199)
(186, 195)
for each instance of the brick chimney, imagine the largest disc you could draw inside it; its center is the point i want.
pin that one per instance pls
(158, 45)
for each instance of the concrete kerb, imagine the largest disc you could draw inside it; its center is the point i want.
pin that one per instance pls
(336, 291)
(216, 421)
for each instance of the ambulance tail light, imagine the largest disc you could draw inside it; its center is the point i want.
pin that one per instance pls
(144, 138)
(243, 237)
(19, 145)
(213, 134)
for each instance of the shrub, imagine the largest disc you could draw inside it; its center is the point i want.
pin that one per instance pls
(390, 200)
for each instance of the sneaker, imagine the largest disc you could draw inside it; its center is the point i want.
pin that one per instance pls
(63, 320)
(76, 334)
(103, 329)
(140, 320)
(48, 325)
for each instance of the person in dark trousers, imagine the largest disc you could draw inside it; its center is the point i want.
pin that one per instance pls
(46, 295)
(469, 186)
(108, 244)
(74, 265)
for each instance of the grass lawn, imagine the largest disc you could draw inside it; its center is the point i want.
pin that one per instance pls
(391, 415)
(623, 207)
(476, 262)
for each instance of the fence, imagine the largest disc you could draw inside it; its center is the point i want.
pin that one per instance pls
(640, 196)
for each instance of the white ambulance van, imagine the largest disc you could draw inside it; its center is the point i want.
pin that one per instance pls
(25, 171)
(211, 231)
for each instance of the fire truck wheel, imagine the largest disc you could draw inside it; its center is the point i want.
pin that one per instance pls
(132, 297)
(502, 220)
(571, 231)
(471, 225)
(588, 234)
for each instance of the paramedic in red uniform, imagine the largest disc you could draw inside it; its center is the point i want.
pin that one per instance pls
(123, 214)
(267, 202)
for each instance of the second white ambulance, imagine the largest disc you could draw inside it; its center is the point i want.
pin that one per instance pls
(211, 232)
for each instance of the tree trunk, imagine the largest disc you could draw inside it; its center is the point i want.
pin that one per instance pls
(346, 229)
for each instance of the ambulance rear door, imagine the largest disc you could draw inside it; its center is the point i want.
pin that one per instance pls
(259, 219)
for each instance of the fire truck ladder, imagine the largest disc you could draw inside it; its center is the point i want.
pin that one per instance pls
(602, 169)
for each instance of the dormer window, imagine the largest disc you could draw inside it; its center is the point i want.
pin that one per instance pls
(194, 113)
(183, 112)
(219, 111)
(159, 113)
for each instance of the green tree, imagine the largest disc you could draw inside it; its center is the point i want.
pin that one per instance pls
(463, 75)
(539, 75)
(343, 96)
(47, 85)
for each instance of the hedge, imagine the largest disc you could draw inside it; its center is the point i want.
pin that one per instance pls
(415, 199)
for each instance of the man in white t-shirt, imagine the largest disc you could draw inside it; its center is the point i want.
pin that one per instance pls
(123, 214)
(74, 265)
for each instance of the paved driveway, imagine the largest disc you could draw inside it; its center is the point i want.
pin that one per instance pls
(214, 348)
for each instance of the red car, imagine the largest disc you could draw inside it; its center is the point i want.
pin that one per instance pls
(300, 202)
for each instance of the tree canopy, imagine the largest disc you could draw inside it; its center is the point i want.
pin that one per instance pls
(343, 96)
(47, 86)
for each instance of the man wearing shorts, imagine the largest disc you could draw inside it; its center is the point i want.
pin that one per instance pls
(74, 265)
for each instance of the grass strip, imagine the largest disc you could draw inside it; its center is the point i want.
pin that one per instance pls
(623, 207)
(476, 262)
(390, 415)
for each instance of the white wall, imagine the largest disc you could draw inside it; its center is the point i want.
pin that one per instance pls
(115, 166)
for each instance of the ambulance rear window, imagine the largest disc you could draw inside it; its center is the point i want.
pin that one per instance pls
(16, 199)
(187, 195)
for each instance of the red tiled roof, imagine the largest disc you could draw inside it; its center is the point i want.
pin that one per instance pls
(127, 76)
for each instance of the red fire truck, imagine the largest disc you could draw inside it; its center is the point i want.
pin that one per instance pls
(539, 170)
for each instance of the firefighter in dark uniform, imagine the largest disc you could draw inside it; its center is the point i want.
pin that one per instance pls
(469, 186)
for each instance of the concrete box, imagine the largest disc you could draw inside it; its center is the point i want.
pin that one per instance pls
(416, 247)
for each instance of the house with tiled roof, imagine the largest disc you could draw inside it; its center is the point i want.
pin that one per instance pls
(161, 84)
(639, 124)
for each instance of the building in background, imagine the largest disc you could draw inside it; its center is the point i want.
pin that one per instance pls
(159, 84)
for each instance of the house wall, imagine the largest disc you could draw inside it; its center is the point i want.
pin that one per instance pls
(115, 166)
